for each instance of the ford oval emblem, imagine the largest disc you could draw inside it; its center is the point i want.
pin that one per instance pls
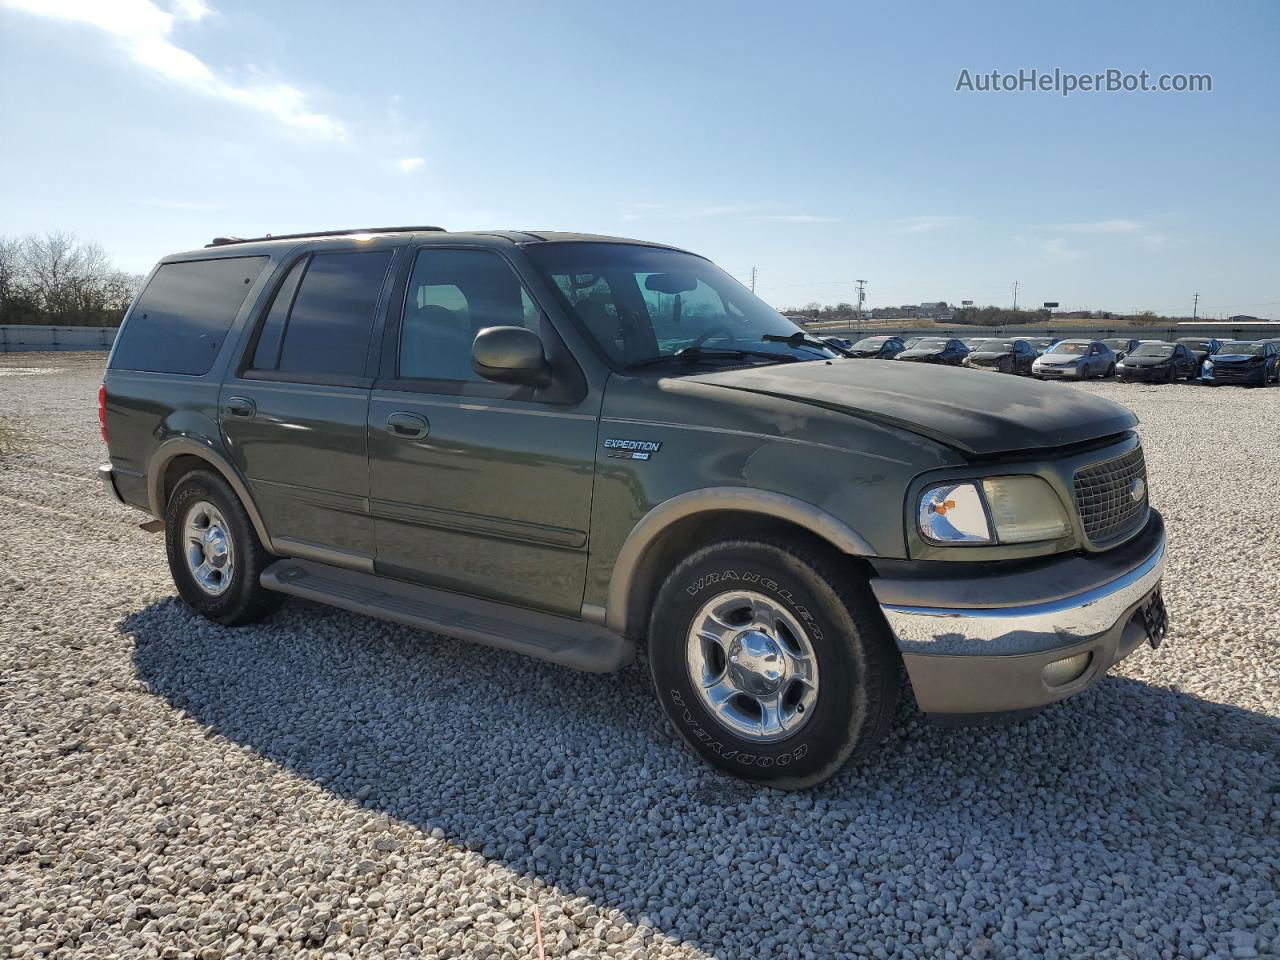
(1137, 489)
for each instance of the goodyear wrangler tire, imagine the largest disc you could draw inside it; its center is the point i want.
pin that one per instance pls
(772, 661)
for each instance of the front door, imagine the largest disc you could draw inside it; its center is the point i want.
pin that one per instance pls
(295, 414)
(478, 487)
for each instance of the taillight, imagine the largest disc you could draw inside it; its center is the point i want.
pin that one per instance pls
(102, 411)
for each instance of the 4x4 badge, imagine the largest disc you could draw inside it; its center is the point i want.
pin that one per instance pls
(631, 449)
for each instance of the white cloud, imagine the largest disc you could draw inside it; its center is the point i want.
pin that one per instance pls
(410, 164)
(1057, 249)
(925, 224)
(797, 218)
(1102, 226)
(143, 29)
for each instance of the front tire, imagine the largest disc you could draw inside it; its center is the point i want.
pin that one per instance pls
(215, 556)
(772, 661)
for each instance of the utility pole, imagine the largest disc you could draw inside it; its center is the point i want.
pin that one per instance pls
(753, 279)
(862, 296)
(1195, 306)
(1015, 294)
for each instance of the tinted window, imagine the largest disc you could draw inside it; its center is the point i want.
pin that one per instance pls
(182, 317)
(268, 349)
(452, 296)
(644, 303)
(327, 332)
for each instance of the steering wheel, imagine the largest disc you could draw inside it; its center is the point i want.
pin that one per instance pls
(707, 335)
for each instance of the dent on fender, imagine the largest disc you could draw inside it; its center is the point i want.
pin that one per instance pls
(706, 500)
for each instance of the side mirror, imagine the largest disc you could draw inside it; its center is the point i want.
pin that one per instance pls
(510, 355)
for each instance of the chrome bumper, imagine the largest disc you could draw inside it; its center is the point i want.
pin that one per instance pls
(108, 482)
(991, 658)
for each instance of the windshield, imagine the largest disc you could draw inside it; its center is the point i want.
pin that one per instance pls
(641, 303)
(1153, 350)
(1196, 344)
(994, 346)
(929, 343)
(1067, 347)
(870, 343)
(1117, 344)
(1240, 347)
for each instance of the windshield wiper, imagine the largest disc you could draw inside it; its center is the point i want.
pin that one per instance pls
(694, 354)
(802, 339)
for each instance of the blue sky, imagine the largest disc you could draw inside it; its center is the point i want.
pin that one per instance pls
(819, 143)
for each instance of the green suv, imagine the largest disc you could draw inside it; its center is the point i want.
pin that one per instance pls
(567, 445)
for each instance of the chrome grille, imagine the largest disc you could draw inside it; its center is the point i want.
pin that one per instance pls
(1104, 496)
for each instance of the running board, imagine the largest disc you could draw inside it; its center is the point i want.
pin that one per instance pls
(570, 643)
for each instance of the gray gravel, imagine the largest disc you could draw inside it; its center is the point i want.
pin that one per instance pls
(329, 785)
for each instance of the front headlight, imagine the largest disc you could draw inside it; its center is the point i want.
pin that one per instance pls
(953, 513)
(1025, 509)
(1017, 509)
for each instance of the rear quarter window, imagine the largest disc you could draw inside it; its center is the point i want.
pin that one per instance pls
(181, 319)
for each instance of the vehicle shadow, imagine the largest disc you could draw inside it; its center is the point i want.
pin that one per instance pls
(1123, 792)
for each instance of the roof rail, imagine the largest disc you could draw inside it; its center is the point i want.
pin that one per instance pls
(224, 241)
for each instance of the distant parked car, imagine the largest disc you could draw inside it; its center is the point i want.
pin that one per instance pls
(944, 350)
(840, 343)
(878, 348)
(1201, 348)
(1075, 360)
(1122, 346)
(1240, 361)
(1005, 356)
(1043, 343)
(1162, 362)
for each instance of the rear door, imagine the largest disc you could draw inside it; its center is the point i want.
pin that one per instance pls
(294, 413)
(479, 487)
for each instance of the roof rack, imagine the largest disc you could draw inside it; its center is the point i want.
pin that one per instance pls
(224, 241)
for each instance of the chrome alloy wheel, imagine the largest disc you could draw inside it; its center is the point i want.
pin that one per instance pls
(753, 666)
(206, 545)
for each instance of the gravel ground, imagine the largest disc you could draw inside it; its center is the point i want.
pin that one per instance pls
(328, 785)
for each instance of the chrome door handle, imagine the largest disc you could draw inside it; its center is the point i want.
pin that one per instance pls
(241, 407)
(408, 426)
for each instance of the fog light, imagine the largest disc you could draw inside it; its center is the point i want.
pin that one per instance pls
(1067, 669)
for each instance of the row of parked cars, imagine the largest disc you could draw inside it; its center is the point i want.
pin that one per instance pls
(1047, 358)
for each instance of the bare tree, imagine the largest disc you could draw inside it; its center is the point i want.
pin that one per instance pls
(58, 279)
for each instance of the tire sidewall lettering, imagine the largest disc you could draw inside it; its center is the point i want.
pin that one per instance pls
(708, 740)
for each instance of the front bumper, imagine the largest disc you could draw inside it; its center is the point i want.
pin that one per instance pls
(1064, 373)
(980, 645)
(1229, 374)
(1142, 373)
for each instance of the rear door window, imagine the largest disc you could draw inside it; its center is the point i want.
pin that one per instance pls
(182, 317)
(326, 332)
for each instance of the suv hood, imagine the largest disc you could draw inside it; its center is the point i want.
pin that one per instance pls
(957, 407)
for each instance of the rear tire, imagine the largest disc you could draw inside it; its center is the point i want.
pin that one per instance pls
(772, 662)
(215, 556)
